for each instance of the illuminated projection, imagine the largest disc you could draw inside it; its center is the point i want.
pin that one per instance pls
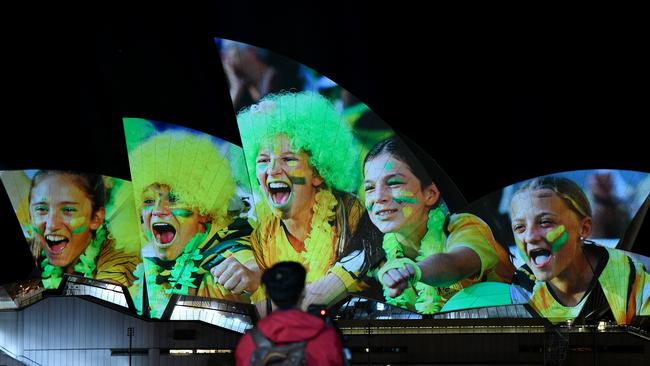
(77, 223)
(382, 231)
(569, 235)
(337, 191)
(192, 194)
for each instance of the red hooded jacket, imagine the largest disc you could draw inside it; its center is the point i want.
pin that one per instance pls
(284, 326)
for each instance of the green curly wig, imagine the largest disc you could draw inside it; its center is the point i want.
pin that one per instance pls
(188, 163)
(311, 123)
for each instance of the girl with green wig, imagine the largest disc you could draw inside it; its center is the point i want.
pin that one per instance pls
(184, 186)
(305, 159)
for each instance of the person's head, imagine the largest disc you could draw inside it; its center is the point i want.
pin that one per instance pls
(245, 60)
(284, 283)
(66, 209)
(398, 191)
(551, 217)
(295, 144)
(182, 184)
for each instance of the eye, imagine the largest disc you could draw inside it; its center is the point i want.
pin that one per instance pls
(262, 160)
(41, 209)
(519, 229)
(368, 187)
(545, 223)
(394, 182)
(148, 201)
(69, 209)
(172, 197)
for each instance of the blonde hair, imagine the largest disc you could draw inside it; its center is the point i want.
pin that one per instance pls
(190, 164)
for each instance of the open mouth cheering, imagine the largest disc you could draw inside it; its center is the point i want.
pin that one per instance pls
(164, 233)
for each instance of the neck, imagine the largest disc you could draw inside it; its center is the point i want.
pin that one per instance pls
(299, 226)
(571, 285)
(413, 238)
(70, 268)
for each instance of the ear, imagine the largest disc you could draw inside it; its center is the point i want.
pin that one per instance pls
(431, 194)
(97, 219)
(586, 225)
(203, 220)
(316, 180)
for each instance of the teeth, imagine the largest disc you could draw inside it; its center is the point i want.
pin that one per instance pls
(52, 237)
(385, 212)
(278, 185)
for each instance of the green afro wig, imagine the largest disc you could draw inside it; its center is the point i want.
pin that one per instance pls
(311, 123)
(190, 164)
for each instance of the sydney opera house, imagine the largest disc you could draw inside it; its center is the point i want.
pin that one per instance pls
(199, 151)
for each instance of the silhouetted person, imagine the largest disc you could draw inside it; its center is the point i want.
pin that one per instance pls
(284, 283)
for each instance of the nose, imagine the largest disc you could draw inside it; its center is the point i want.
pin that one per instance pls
(274, 166)
(161, 209)
(379, 195)
(532, 234)
(54, 221)
(383, 193)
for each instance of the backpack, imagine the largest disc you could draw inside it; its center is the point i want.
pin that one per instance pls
(267, 353)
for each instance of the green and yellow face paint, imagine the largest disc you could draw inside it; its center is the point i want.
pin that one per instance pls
(78, 225)
(557, 237)
(522, 249)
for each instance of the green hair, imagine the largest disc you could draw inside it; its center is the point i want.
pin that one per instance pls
(190, 164)
(312, 124)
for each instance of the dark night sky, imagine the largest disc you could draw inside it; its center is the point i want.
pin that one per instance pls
(491, 103)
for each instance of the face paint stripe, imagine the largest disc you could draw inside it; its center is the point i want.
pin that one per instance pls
(297, 180)
(405, 200)
(552, 235)
(560, 242)
(79, 230)
(36, 229)
(520, 247)
(77, 222)
(181, 212)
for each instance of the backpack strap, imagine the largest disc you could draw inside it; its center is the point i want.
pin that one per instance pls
(259, 338)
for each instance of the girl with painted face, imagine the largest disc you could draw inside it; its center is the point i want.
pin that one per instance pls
(67, 213)
(304, 159)
(430, 255)
(566, 275)
(193, 245)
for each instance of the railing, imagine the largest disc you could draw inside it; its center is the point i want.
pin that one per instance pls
(22, 358)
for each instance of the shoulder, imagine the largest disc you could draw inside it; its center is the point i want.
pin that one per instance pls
(461, 221)
(245, 347)
(468, 229)
(325, 348)
(116, 264)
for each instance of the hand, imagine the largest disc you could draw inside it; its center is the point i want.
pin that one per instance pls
(397, 280)
(235, 276)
